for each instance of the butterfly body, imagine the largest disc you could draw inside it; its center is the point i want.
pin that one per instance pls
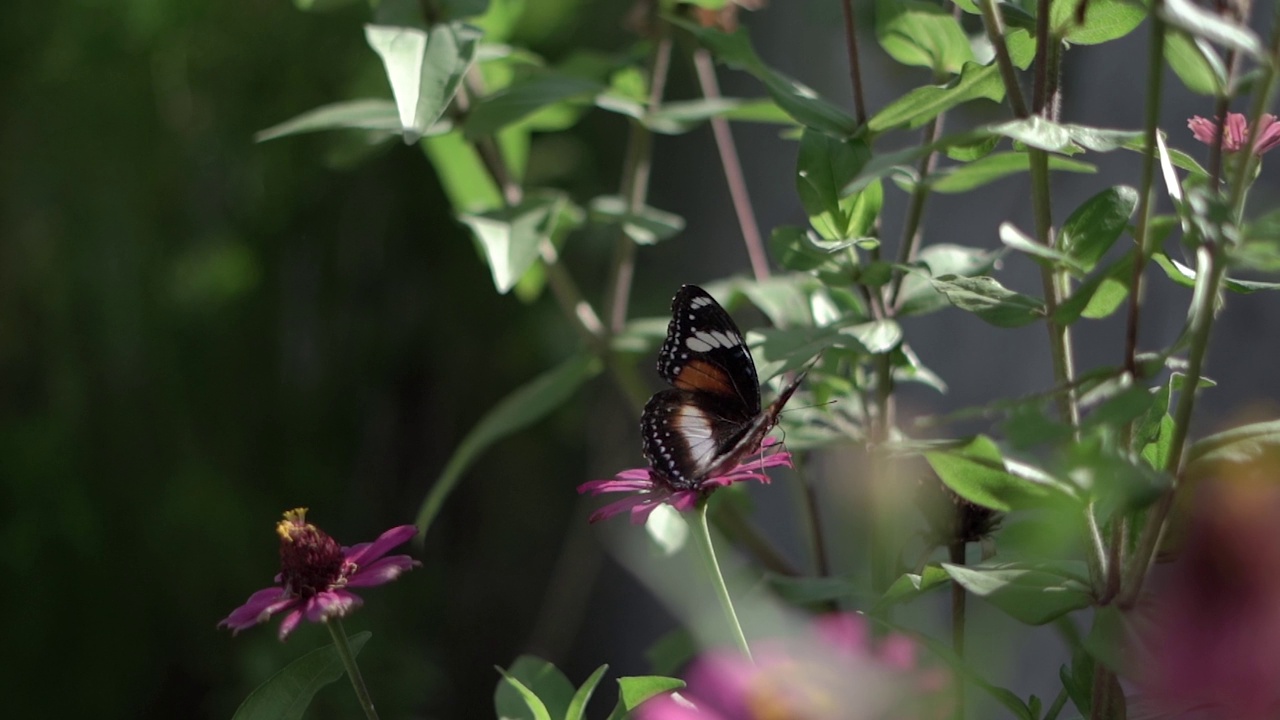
(711, 418)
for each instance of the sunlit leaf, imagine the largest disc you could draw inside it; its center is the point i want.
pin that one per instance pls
(647, 226)
(925, 103)
(1195, 62)
(1094, 227)
(522, 99)
(378, 115)
(511, 236)
(1032, 594)
(823, 167)
(978, 472)
(989, 300)
(578, 706)
(424, 69)
(1212, 26)
(1104, 20)
(923, 34)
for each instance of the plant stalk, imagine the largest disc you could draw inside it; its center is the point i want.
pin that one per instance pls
(702, 537)
(343, 647)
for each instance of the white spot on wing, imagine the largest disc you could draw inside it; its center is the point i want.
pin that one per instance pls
(695, 429)
(699, 302)
(698, 343)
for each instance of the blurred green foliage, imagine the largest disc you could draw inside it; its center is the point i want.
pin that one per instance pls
(198, 332)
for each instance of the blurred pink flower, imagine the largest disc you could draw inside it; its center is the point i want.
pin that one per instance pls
(1208, 642)
(651, 490)
(315, 574)
(834, 671)
(1235, 136)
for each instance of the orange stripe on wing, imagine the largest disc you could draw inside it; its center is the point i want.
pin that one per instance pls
(700, 375)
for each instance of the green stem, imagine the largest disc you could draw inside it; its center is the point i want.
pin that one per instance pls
(1209, 264)
(349, 662)
(702, 536)
(956, 552)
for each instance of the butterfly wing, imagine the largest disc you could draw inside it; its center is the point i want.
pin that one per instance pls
(704, 352)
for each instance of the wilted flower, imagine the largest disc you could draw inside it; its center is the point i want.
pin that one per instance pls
(315, 574)
(950, 517)
(1235, 136)
(1208, 641)
(833, 671)
(651, 489)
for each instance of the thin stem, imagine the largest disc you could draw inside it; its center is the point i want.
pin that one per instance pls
(702, 536)
(958, 595)
(742, 207)
(1059, 703)
(1100, 699)
(1142, 235)
(353, 670)
(635, 181)
(855, 66)
(1208, 265)
(911, 234)
(993, 21)
(1097, 556)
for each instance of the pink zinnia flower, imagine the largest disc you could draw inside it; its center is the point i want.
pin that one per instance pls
(1235, 136)
(652, 490)
(833, 670)
(1207, 636)
(315, 574)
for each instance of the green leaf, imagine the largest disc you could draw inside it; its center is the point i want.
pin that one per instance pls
(989, 300)
(537, 710)
(632, 691)
(1100, 295)
(966, 177)
(823, 167)
(532, 689)
(1105, 20)
(462, 173)
(1186, 276)
(798, 101)
(522, 99)
(425, 70)
(797, 248)
(523, 407)
(377, 115)
(910, 586)
(578, 706)
(511, 236)
(922, 34)
(681, 116)
(646, 227)
(1064, 137)
(1196, 63)
(978, 473)
(1095, 226)
(925, 103)
(1015, 239)
(1244, 445)
(286, 695)
(322, 5)
(1008, 699)
(918, 296)
(1031, 594)
(1211, 26)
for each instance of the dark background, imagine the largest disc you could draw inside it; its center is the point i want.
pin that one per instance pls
(198, 332)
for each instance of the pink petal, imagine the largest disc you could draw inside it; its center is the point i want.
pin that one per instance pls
(669, 707)
(597, 487)
(331, 603)
(289, 623)
(368, 552)
(1203, 129)
(382, 571)
(1236, 135)
(617, 507)
(259, 607)
(1268, 134)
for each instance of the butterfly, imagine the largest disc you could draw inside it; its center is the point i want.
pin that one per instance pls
(712, 418)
